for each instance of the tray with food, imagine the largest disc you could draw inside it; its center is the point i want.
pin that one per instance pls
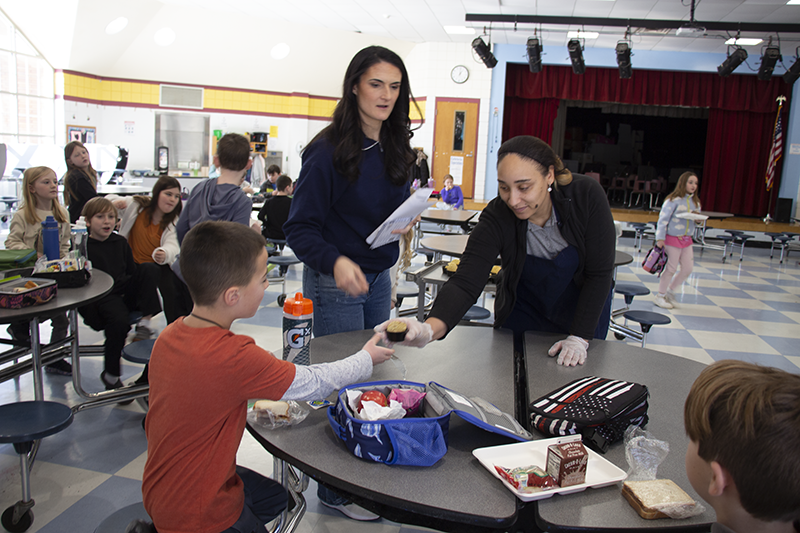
(539, 469)
(691, 216)
(450, 268)
(24, 292)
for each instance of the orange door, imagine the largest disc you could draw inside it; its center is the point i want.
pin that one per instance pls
(456, 142)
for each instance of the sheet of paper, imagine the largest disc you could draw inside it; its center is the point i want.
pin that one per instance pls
(402, 217)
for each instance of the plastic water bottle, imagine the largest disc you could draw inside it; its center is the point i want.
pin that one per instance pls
(50, 239)
(298, 319)
(79, 236)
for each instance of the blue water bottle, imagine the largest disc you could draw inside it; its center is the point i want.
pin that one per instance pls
(50, 239)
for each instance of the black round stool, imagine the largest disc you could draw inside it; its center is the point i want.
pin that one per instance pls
(476, 312)
(628, 291)
(283, 262)
(726, 240)
(119, 520)
(21, 424)
(741, 240)
(647, 319)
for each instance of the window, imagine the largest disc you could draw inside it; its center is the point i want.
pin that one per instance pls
(27, 92)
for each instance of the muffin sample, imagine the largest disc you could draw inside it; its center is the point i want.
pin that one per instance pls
(396, 331)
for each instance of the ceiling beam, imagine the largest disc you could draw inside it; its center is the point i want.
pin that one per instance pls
(650, 24)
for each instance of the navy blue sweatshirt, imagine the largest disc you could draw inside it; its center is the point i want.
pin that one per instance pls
(331, 217)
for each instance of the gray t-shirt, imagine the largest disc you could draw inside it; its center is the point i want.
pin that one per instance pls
(545, 242)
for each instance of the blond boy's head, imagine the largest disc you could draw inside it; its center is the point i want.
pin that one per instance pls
(744, 421)
(216, 256)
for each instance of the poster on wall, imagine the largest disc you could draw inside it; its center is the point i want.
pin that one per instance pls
(84, 134)
(456, 168)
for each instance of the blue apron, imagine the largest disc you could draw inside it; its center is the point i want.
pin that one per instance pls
(547, 296)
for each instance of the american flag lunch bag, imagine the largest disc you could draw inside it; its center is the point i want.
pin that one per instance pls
(599, 409)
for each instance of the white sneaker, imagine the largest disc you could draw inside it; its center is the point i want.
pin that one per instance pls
(353, 511)
(670, 297)
(662, 302)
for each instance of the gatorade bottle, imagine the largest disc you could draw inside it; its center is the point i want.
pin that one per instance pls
(50, 244)
(298, 319)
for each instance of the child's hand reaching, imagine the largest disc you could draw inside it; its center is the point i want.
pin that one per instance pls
(379, 354)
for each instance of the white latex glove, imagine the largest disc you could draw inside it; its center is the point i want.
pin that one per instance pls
(419, 333)
(571, 351)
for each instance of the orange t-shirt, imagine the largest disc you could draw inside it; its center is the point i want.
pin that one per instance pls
(144, 237)
(200, 382)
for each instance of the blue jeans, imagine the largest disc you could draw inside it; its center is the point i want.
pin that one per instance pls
(336, 312)
(264, 500)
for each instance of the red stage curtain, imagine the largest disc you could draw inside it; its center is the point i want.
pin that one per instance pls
(736, 162)
(741, 119)
(530, 117)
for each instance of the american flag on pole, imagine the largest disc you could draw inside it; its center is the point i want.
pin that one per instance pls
(776, 151)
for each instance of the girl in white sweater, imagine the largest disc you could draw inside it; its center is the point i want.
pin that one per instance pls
(676, 233)
(40, 200)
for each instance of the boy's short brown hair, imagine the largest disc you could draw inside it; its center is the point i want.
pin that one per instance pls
(216, 256)
(96, 206)
(746, 417)
(274, 169)
(283, 182)
(233, 151)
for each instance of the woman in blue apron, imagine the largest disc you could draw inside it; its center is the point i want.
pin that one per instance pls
(554, 234)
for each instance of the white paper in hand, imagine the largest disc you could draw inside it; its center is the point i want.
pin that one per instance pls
(402, 217)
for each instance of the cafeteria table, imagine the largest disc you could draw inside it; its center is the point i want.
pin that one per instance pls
(122, 190)
(452, 245)
(66, 300)
(668, 378)
(449, 217)
(455, 494)
(701, 227)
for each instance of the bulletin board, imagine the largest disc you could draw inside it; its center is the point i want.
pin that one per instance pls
(84, 134)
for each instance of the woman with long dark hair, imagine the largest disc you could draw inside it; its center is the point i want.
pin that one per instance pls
(554, 233)
(355, 173)
(80, 181)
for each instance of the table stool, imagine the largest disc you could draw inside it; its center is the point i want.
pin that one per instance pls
(726, 240)
(117, 521)
(283, 262)
(139, 352)
(628, 291)
(778, 239)
(23, 424)
(475, 312)
(639, 228)
(647, 319)
(427, 253)
(740, 239)
(406, 289)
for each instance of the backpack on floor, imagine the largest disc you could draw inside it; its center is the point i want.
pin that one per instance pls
(599, 409)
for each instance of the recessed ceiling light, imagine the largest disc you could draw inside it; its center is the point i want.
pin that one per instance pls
(116, 25)
(583, 34)
(164, 37)
(745, 42)
(459, 30)
(280, 51)
(792, 2)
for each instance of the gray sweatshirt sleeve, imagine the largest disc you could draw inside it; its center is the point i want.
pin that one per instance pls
(319, 381)
(667, 210)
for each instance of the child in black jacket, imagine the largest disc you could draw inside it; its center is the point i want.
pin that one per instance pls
(134, 289)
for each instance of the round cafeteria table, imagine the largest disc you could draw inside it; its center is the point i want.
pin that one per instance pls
(456, 493)
(668, 378)
(452, 245)
(456, 217)
(122, 190)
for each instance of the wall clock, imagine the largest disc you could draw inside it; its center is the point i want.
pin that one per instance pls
(459, 74)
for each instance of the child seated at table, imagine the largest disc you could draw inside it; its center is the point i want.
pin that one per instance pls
(201, 377)
(744, 424)
(451, 194)
(275, 211)
(134, 289)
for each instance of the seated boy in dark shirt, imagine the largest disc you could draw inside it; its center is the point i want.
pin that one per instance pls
(275, 211)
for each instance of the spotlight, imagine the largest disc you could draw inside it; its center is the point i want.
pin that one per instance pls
(769, 57)
(793, 73)
(484, 53)
(576, 56)
(534, 55)
(734, 60)
(624, 60)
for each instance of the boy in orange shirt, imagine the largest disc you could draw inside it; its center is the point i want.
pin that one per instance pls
(201, 377)
(744, 424)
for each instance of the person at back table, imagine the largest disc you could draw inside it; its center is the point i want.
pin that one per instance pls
(743, 421)
(191, 481)
(275, 211)
(451, 194)
(270, 185)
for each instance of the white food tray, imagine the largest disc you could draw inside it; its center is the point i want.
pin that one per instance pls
(599, 471)
(691, 216)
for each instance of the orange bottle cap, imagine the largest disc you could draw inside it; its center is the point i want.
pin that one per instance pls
(298, 305)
